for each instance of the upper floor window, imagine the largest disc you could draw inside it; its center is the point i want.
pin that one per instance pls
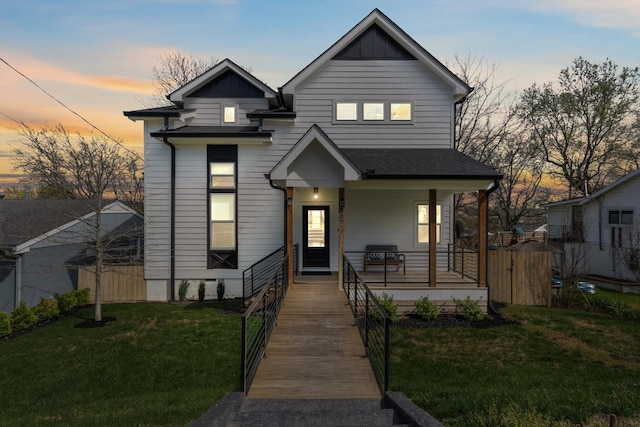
(346, 111)
(229, 114)
(423, 223)
(621, 217)
(400, 111)
(373, 112)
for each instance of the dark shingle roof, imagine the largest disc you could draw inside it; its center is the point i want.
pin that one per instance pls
(22, 220)
(396, 163)
(165, 111)
(213, 131)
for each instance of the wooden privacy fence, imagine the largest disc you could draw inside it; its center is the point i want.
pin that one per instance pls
(119, 283)
(520, 277)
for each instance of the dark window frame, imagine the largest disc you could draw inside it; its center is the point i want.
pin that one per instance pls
(222, 258)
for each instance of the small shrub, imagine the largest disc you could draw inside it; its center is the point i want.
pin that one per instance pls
(386, 301)
(182, 290)
(469, 309)
(22, 317)
(66, 302)
(426, 309)
(83, 297)
(5, 324)
(46, 309)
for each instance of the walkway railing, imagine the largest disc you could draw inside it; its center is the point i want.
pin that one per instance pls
(463, 261)
(259, 319)
(258, 275)
(372, 322)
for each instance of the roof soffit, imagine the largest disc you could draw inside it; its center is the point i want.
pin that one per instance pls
(459, 87)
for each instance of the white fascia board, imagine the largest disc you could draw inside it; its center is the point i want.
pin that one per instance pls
(281, 170)
(443, 186)
(217, 141)
(616, 184)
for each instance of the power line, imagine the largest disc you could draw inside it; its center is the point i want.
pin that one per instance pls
(109, 137)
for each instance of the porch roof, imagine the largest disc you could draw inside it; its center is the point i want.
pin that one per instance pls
(415, 163)
(212, 131)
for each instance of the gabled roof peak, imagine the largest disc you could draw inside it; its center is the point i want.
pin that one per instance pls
(177, 97)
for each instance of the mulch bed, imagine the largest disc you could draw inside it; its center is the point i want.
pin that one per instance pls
(413, 321)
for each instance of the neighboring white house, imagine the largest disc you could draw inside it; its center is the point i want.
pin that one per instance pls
(604, 228)
(42, 242)
(356, 149)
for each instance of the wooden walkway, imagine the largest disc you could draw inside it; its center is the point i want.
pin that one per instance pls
(315, 351)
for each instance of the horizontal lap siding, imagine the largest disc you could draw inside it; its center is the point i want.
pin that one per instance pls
(209, 110)
(385, 81)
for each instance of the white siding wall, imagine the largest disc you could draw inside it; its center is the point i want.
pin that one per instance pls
(209, 110)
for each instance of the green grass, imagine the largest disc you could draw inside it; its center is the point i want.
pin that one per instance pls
(156, 365)
(557, 367)
(632, 300)
(166, 364)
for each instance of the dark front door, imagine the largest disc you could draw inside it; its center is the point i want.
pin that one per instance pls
(315, 235)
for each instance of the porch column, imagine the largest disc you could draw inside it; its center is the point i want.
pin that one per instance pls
(432, 238)
(289, 242)
(482, 238)
(340, 236)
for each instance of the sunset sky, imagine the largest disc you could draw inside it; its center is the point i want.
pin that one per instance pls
(97, 57)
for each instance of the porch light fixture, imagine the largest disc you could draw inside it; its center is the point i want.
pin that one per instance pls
(289, 201)
(315, 193)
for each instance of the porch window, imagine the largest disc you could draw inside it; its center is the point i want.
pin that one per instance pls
(423, 223)
(620, 217)
(222, 177)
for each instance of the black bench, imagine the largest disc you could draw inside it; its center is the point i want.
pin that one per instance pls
(384, 255)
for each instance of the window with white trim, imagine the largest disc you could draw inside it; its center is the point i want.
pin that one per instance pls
(373, 111)
(423, 223)
(346, 111)
(400, 111)
(362, 112)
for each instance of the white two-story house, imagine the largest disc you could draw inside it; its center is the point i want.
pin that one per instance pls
(355, 149)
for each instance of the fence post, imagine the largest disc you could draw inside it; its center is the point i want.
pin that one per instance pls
(366, 322)
(355, 300)
(386, 354)
(264, 322)
(244, 355)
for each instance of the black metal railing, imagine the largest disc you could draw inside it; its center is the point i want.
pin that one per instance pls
(259, 319)
(414, 266)
(372, 322)
(258, 275)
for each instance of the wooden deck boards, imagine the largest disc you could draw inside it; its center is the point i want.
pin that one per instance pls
(315, 351)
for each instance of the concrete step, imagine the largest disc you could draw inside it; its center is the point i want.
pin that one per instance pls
(312, 412)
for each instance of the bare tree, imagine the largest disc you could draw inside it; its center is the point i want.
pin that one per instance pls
(520, 191)
(86, 168)
(584, 122)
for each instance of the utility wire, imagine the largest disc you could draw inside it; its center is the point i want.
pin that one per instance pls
(69, 109)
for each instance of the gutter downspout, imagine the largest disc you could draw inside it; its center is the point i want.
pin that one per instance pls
(172, 244)
(284, 192)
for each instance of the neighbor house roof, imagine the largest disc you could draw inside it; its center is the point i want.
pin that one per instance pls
(583, 200)
(22, 221)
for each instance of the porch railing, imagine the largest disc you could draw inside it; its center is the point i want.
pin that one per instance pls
(259, 319)
(258, 275)
(372, 322)
(453, 258)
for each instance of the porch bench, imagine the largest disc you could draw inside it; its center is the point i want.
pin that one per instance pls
(384, 255)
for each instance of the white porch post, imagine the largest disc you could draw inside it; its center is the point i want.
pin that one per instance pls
(432, 237)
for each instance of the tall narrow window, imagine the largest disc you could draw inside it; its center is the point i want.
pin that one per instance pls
(222, 160)
(423, 223)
